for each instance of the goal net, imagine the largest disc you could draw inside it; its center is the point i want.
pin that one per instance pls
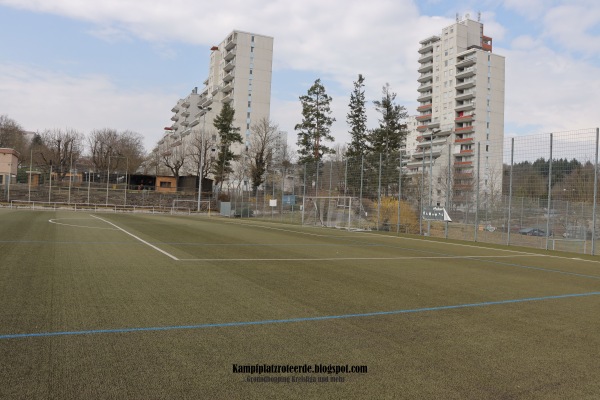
(189, 206)
(332, 212)
(570, 245)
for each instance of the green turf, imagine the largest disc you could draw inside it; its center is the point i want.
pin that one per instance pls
(82, 274)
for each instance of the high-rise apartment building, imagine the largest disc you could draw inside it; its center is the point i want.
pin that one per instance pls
(240, 70)
(461, 109)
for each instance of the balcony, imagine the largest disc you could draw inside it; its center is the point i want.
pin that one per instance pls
(463, 164)
(425, 96)
(194, 122)
(425, 87)
(187, 131)
(465, 129)
(185, 113)
(466, 72)
(465, 118)
(464, 140)
(465, 95)
(215, 89)
(463, 153)
(231, 43)
(425, 107)
(425, 77)
(465, 106)
(434, 124)
(465, 84)
(445, 130)
(426, 68)
(207, 102)
(426, 153)
(229, 66)
(427, 44)
(227, 88)
(422, 128)
(426, 57)
(201, 113)
(228, 77)
(423, 117)
(230, 55)
(228, 98)
(175, 118)
(186, 103)
(467, 61)
(185, 123)
(463, 175)
(175, 109)
(177, 143)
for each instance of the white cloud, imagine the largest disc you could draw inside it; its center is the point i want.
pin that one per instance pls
(333, 39)
(47, 100)
(551, 90)
(570, 25)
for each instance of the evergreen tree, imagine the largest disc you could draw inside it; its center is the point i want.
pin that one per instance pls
(389, 137)
(391, 133)
(228, 135)
(357, 120)
(315, 129)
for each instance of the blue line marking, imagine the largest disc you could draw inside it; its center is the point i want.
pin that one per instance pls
(292, 320)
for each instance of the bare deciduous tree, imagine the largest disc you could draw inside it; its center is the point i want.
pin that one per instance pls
(60, 149)
(260, 152)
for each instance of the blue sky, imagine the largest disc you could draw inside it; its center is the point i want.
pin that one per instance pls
(124, 64)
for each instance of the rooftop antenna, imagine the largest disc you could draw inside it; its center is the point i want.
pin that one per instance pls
(456, 17)
(479, 16)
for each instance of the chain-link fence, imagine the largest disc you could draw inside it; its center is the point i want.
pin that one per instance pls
(537, 191)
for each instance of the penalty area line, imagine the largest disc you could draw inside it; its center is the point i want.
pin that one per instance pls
(353, 258)
(135, 237)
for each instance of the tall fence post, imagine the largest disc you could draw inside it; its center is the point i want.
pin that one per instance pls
(477, 194)
(346, 177)
(448, 188)
(362, 169)
(399, 192)
(593, 250)
(379, 193)
(510, 187)
(548, 214)
(422, 191)
(304, 195)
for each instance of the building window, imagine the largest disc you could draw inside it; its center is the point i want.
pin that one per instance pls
(165, 184)
(252, 39)
(249, 103)
(248, 115)
(487, 148)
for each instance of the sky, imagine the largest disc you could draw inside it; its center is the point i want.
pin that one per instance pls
(123, 64)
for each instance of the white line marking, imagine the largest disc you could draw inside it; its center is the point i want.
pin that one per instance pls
(141, 240)
(407, 238)
(356, 258)
(53, 221)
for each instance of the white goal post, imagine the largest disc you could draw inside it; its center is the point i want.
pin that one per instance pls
(332, 211)
(189, 206)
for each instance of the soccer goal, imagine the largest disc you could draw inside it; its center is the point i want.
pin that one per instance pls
(332, 212)
(189, 206)
(570, 245)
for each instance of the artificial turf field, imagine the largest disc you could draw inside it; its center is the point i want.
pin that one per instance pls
(131, 306)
